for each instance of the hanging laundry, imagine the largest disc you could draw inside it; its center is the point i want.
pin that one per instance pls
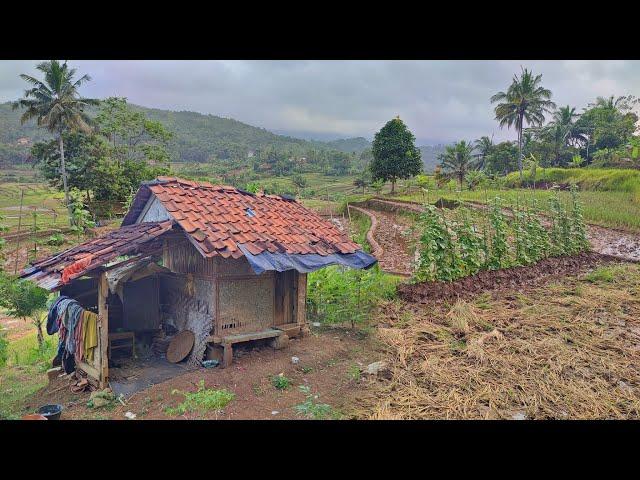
(79, 337)
(90, 335)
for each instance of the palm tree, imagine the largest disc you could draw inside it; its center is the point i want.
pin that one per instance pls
(457, 160)
(57, 106)
(562, 130)
(484, 145)
(524, 101)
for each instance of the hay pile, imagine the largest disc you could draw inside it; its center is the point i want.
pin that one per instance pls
(565, 351)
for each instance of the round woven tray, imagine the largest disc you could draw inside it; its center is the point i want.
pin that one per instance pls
(180, 346)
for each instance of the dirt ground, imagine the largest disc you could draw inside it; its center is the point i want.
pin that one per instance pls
(328, 362)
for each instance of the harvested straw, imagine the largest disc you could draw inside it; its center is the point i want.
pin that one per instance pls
(565, 350)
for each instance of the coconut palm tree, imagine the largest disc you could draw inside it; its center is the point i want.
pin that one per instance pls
(457, 160)
(524, 101)
(57, 106)
(484, 145)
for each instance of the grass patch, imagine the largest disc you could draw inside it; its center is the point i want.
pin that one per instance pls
(313, 409)
(201, 401)
(24, 372)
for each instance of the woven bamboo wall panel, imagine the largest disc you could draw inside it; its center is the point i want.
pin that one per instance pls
(245, 305)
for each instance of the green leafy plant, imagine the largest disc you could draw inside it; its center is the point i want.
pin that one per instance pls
(55, 240)
(201, 401)
(538, 244)
(579, 240)
(312, 409)
(469, 242)
(437, 254)
(560, 228)
(24, 299)
(338, 295)
(81, 218)
(280, 382)
(499, 252)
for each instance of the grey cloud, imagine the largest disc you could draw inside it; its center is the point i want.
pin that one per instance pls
(441, 101)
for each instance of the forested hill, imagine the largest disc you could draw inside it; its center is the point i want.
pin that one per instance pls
(198, 138)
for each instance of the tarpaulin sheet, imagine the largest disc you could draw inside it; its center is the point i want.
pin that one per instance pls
(305, 263)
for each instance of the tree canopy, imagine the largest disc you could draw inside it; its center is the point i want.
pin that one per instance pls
(394, 153)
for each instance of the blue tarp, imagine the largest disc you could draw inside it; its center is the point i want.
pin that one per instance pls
(305, 263)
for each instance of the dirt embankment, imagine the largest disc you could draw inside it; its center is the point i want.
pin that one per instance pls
(501, 280)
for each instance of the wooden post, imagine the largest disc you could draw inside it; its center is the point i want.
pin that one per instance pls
(301, 309)
(103, 330)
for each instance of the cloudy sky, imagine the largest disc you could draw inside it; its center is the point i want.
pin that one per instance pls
(441, 101)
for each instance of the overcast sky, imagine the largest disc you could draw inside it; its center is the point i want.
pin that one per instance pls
(440, 101)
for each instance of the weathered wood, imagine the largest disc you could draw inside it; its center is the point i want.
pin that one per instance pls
(301, 310)
(243, 337)
(291, 329)
(227, 355)
(89, 370)
(103, 327)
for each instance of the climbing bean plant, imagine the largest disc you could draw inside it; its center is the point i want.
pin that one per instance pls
(498, 237)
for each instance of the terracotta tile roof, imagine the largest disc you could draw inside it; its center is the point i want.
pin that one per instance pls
(219, 218)
(133, 239)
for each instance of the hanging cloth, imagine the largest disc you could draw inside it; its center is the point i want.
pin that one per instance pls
(90, 335)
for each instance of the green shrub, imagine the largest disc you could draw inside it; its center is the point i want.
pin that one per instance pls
(338, 295)
(437, 254)
(55, 240)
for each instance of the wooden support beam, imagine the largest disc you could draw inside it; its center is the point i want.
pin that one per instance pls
(301, 310)
(103, 330)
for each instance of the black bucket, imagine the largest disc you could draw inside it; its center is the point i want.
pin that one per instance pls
(52, 412)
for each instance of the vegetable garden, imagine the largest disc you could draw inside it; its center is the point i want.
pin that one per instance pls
(453, 246)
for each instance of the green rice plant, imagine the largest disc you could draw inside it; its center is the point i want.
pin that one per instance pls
(499, 254)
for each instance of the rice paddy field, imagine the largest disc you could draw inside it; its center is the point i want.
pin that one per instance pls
(605, 208)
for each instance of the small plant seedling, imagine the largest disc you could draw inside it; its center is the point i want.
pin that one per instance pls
(280, 382)
(355, 373)
(310, 409)
(306, 370)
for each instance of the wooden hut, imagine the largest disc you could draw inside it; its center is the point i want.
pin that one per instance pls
(227, 265)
